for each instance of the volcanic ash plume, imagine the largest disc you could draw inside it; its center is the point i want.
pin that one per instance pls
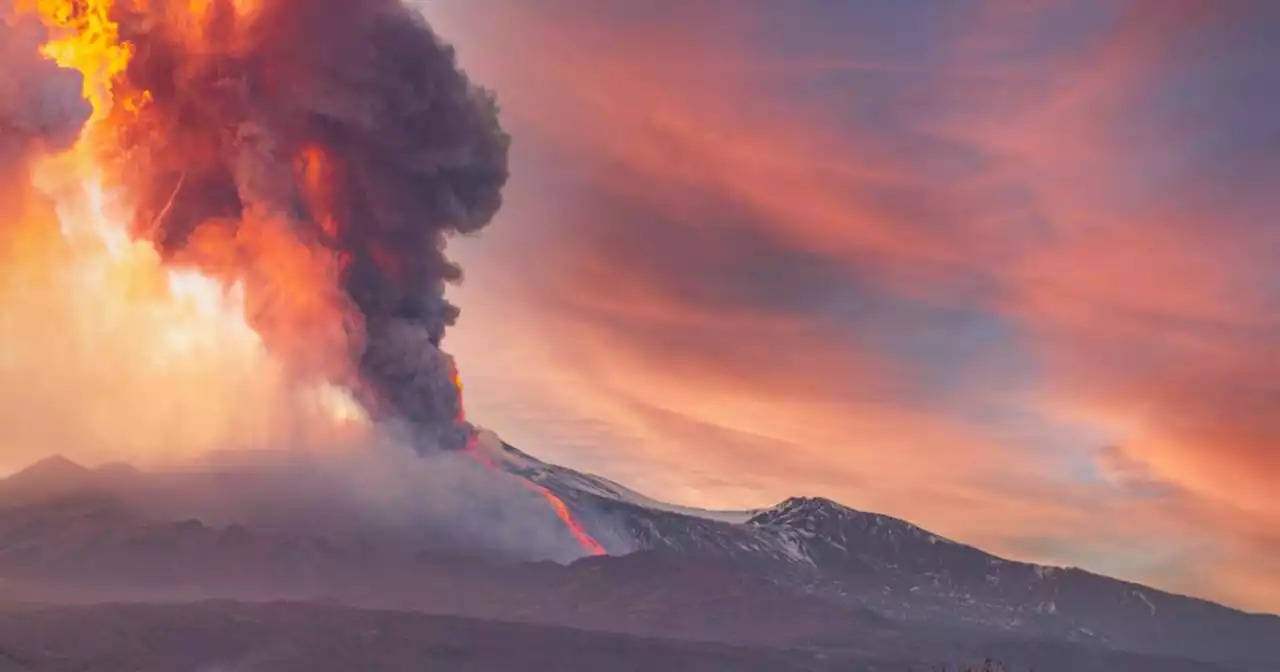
(41, 108)
(317, 153)
(257, 206)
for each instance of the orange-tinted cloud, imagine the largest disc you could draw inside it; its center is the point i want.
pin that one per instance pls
(932, 264)
(1153, 301)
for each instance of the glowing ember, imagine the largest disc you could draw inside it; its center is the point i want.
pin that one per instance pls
(462, 410)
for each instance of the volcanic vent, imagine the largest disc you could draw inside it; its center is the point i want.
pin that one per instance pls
(314, 156)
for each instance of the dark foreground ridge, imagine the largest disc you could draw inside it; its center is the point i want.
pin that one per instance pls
(325, 638)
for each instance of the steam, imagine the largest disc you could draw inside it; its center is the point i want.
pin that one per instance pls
(320, 152)
(438, 500)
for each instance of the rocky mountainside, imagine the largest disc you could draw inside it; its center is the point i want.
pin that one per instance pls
(806, 573)
(823, 548)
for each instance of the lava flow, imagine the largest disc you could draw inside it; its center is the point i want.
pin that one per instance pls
(584, 538)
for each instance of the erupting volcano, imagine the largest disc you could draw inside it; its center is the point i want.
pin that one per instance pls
(310, 158)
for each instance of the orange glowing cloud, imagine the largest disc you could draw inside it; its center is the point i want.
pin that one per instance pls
(936, 280)
(106, 353)
(107, 357)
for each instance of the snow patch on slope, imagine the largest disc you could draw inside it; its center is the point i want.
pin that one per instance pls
(564, 480)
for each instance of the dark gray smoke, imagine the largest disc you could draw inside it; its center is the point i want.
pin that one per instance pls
(413, 154)
(41, 107)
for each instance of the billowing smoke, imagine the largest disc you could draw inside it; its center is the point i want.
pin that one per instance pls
(40, 104)
(319, 153)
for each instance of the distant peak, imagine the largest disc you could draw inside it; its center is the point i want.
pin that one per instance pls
(795, 509)
(54, 465)
(825, 517)
(50, 476)
(809, 503)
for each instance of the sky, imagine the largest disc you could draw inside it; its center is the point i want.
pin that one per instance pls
(1004, 269)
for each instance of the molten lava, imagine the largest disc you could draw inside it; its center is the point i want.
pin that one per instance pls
(579, 532)
(585, 540)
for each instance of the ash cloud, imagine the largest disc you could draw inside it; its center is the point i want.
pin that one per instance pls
(41, 108)
(345, 128)
(390, 498)
(440, 501)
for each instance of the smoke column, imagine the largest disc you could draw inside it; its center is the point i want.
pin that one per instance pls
(318, 153)
(310, 158)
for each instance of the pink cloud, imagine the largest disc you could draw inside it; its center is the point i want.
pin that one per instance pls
(1036, 185)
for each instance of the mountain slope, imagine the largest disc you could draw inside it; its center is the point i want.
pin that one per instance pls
(823, 548)
(807, 572)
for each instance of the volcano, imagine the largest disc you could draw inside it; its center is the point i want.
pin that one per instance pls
(833, 586)
(241, 207)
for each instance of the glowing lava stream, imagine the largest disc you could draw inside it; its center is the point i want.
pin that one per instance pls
(584, 538)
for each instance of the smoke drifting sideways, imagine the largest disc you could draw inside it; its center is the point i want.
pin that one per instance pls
(320, 152)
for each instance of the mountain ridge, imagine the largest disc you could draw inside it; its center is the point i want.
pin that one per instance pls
(811, 558)
(912, 574)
